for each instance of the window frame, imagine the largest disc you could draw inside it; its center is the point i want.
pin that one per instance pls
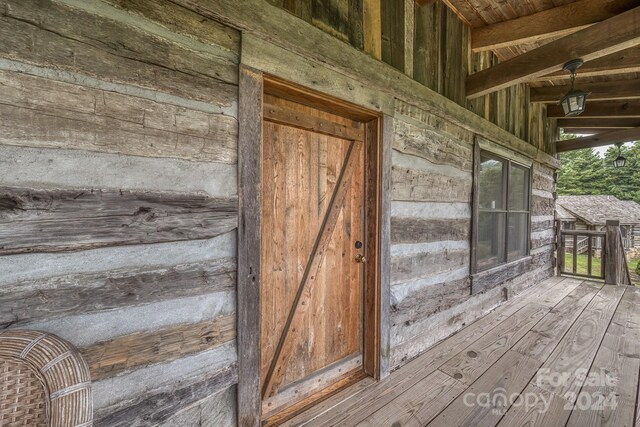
(479, 151)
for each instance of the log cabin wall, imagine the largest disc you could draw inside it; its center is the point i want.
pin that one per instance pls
(430, 43)
(430, 234)
(118, 160)
(118, 167)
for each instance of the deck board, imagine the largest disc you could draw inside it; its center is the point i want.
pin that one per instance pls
(565, 326)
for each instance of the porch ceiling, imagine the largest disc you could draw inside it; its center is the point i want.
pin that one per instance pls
(534, 38)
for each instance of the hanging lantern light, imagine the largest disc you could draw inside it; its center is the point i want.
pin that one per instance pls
(575, 101)
(620, 161)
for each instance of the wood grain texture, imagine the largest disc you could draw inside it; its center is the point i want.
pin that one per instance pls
(510, 374)
(393, 33)
(151, 409)
(56, 220)
(249, 243)
(74, 40)
(384, 235)
(372, 28)
(39, 112)
(493, 277)
(301, 302)
(431, 145)
(580, 344)
(427, 186)
(128, 352)
(379, 394)
(617, 363)
(430, 300)
(418, 230)
(183, 21)
(71, 295)
(280, 27)
(419, 404)
(587, 43)
(562, 20)
(468, 365)
(600, 140)
(425, 264)
(598, 91)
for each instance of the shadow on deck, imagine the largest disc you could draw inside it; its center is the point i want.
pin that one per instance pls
(566, 352)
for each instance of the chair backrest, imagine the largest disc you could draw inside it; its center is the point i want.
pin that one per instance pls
(44, 381)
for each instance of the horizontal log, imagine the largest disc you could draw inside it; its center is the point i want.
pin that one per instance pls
(58, 220)
(540, 239)
(598, 91)
(61, 98)
(485, 280)
(417, 230)
(426, 186)
(50, 34)
(218, 410)
(431, 145)
(183, 21)
(602, 109)
(108, 359)
(599, 140)
(415, 266)
(578, 123)
(61, 168)
(71, 295)
(429, 300)
(150, 410)
(542, 206)
(542, 181)
(541, 225)
(26, 127)
(259, 21)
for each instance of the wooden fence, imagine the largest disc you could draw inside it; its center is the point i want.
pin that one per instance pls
(604, 250)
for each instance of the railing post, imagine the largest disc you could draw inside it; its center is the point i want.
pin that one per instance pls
(611, 253)
(559, 249)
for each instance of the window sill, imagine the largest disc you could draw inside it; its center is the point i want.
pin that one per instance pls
(489, 279)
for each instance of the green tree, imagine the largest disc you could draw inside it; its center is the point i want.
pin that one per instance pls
(583, 172)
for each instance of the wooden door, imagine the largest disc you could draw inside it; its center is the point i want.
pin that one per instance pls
(313, 239)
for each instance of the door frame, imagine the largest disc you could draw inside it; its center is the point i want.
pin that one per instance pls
(379, 131)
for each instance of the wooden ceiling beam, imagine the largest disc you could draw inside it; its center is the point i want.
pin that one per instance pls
(555, 22)
(600, 91)
(574, 123)
(607, 138)
(603, 109)
(625, 61)
(601, 39)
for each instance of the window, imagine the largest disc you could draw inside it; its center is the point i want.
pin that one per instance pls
(503, 211)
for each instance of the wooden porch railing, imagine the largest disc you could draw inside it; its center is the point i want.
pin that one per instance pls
(606, 246)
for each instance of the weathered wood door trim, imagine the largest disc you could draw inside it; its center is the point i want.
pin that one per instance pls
(378, 132)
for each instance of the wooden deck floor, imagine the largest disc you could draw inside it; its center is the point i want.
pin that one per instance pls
(566, 352)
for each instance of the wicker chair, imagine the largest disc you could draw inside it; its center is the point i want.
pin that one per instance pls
(44, 381)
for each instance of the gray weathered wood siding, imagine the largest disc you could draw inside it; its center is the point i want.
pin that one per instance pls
(118, 200)
(119, 194)
(430, 234)
(430, 43)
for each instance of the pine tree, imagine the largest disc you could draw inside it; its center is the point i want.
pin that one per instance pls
(583, 172)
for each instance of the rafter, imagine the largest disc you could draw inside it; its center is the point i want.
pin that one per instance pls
(580, 123)
(548, 23)
(625, 61)
(618, 89)
(601, 39)
(607, 138)
(604, 109)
